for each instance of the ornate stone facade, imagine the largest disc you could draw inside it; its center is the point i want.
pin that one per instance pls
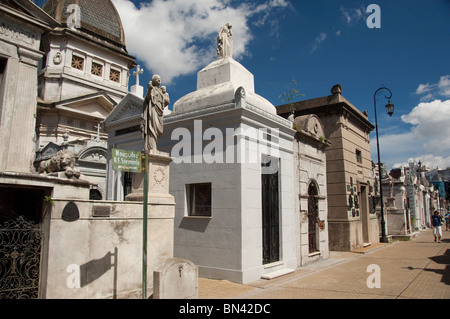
(91, 243)
(82, 78)
(311, 186)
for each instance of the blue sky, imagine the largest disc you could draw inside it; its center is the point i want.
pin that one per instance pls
(318, 43)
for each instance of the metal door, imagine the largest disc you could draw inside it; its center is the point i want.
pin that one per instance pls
(271, 219)
(313, 217)
(20, 255)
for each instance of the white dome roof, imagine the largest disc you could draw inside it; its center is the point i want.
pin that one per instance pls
(217, 84)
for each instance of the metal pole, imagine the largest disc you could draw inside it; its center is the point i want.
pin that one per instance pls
(144, 234)
(383, 238)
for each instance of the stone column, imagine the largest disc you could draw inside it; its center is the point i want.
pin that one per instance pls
(22, 104)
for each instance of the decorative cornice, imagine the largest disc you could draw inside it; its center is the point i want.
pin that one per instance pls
(18, 34)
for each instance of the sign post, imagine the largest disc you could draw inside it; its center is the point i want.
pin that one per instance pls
(131, 161)
(126, 161)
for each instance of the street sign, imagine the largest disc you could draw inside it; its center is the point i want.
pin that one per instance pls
(126, 161)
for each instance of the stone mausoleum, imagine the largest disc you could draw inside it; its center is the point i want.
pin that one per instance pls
(236, 178)
(351, 197)
(232, 177)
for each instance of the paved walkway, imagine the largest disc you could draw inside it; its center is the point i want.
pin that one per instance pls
(418, 269)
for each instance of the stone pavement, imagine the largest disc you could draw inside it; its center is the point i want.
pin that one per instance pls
(417, 269)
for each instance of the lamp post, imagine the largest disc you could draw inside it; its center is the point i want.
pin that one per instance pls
(390, 111)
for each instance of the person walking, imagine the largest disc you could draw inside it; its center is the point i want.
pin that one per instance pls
(436, 221)
(447, 221)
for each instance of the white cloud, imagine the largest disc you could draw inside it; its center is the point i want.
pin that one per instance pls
(353, 15)
(321, 37)
(431, 125)
(428, 160)
(444, 86)
(428, 140)
(424, 88)
(178, 37)
(435, 90)
(394, 148)
(427, 97)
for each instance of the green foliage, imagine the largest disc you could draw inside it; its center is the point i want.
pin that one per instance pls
(291, 95)
(48, 199)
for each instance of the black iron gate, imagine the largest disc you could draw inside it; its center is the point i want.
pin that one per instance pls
(20, 255)
(313, 217)
(271, 219)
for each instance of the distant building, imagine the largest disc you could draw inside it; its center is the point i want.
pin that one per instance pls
(441, 180)
(82, 77)
(397, 208)
(422, 198)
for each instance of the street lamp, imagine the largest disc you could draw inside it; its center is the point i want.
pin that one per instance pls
(390, 111)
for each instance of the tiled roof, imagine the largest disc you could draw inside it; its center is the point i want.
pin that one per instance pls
(98, 17)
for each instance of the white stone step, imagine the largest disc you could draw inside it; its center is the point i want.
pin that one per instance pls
(278, 273)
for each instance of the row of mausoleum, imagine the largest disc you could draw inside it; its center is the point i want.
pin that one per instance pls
(235, 188)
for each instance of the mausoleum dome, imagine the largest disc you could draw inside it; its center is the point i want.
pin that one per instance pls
(97, 17)
(218, 84)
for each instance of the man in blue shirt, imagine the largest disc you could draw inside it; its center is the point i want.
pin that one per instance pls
(436, 221)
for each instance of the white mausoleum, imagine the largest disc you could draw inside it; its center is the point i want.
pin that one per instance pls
(232, 177)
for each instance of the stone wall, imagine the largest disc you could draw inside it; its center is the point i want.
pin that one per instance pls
(105, 243)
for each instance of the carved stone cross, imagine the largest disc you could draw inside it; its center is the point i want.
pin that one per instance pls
(97, 138)
(136, 73)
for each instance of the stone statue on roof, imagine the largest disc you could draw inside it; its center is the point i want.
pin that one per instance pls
(225, 42)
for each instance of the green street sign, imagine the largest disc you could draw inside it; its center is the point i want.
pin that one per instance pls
(126, 161)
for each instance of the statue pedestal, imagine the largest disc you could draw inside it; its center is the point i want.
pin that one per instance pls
(158, 181)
